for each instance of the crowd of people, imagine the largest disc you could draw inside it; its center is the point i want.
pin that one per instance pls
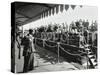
(64, 26)
(81, 31)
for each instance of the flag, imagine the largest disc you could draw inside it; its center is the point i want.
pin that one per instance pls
(44, 14)
(81, 6)
(49, 12)
(66, 7)
(53, 11)
(57, 9)
(73, 6)
(61, 8)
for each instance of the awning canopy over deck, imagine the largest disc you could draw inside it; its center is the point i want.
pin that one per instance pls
(27, 12)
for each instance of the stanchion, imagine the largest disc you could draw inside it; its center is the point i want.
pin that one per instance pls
(43, 42)
(87, 50)
(35, 41)
(54, 36)
(58, 51)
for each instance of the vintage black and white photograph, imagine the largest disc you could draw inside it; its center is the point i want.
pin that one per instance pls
(53, 37)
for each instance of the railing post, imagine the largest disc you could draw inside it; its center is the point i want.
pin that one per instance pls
(58, 43)
(53, 36)
(43, 42)
(68, 40)
(87, 51)
(35, 41)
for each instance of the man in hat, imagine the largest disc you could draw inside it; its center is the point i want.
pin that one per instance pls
(28, 50)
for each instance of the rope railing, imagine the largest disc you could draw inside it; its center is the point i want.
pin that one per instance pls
(71, 53)
(58, 45)
(39, 38)
(70, 45)
(64, 40)
(54, 42)
(38, 42)
(44, 43)
(50, 45)
(82, 51)
(51, 35)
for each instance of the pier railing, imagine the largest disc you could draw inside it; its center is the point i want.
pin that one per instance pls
(70, 52)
